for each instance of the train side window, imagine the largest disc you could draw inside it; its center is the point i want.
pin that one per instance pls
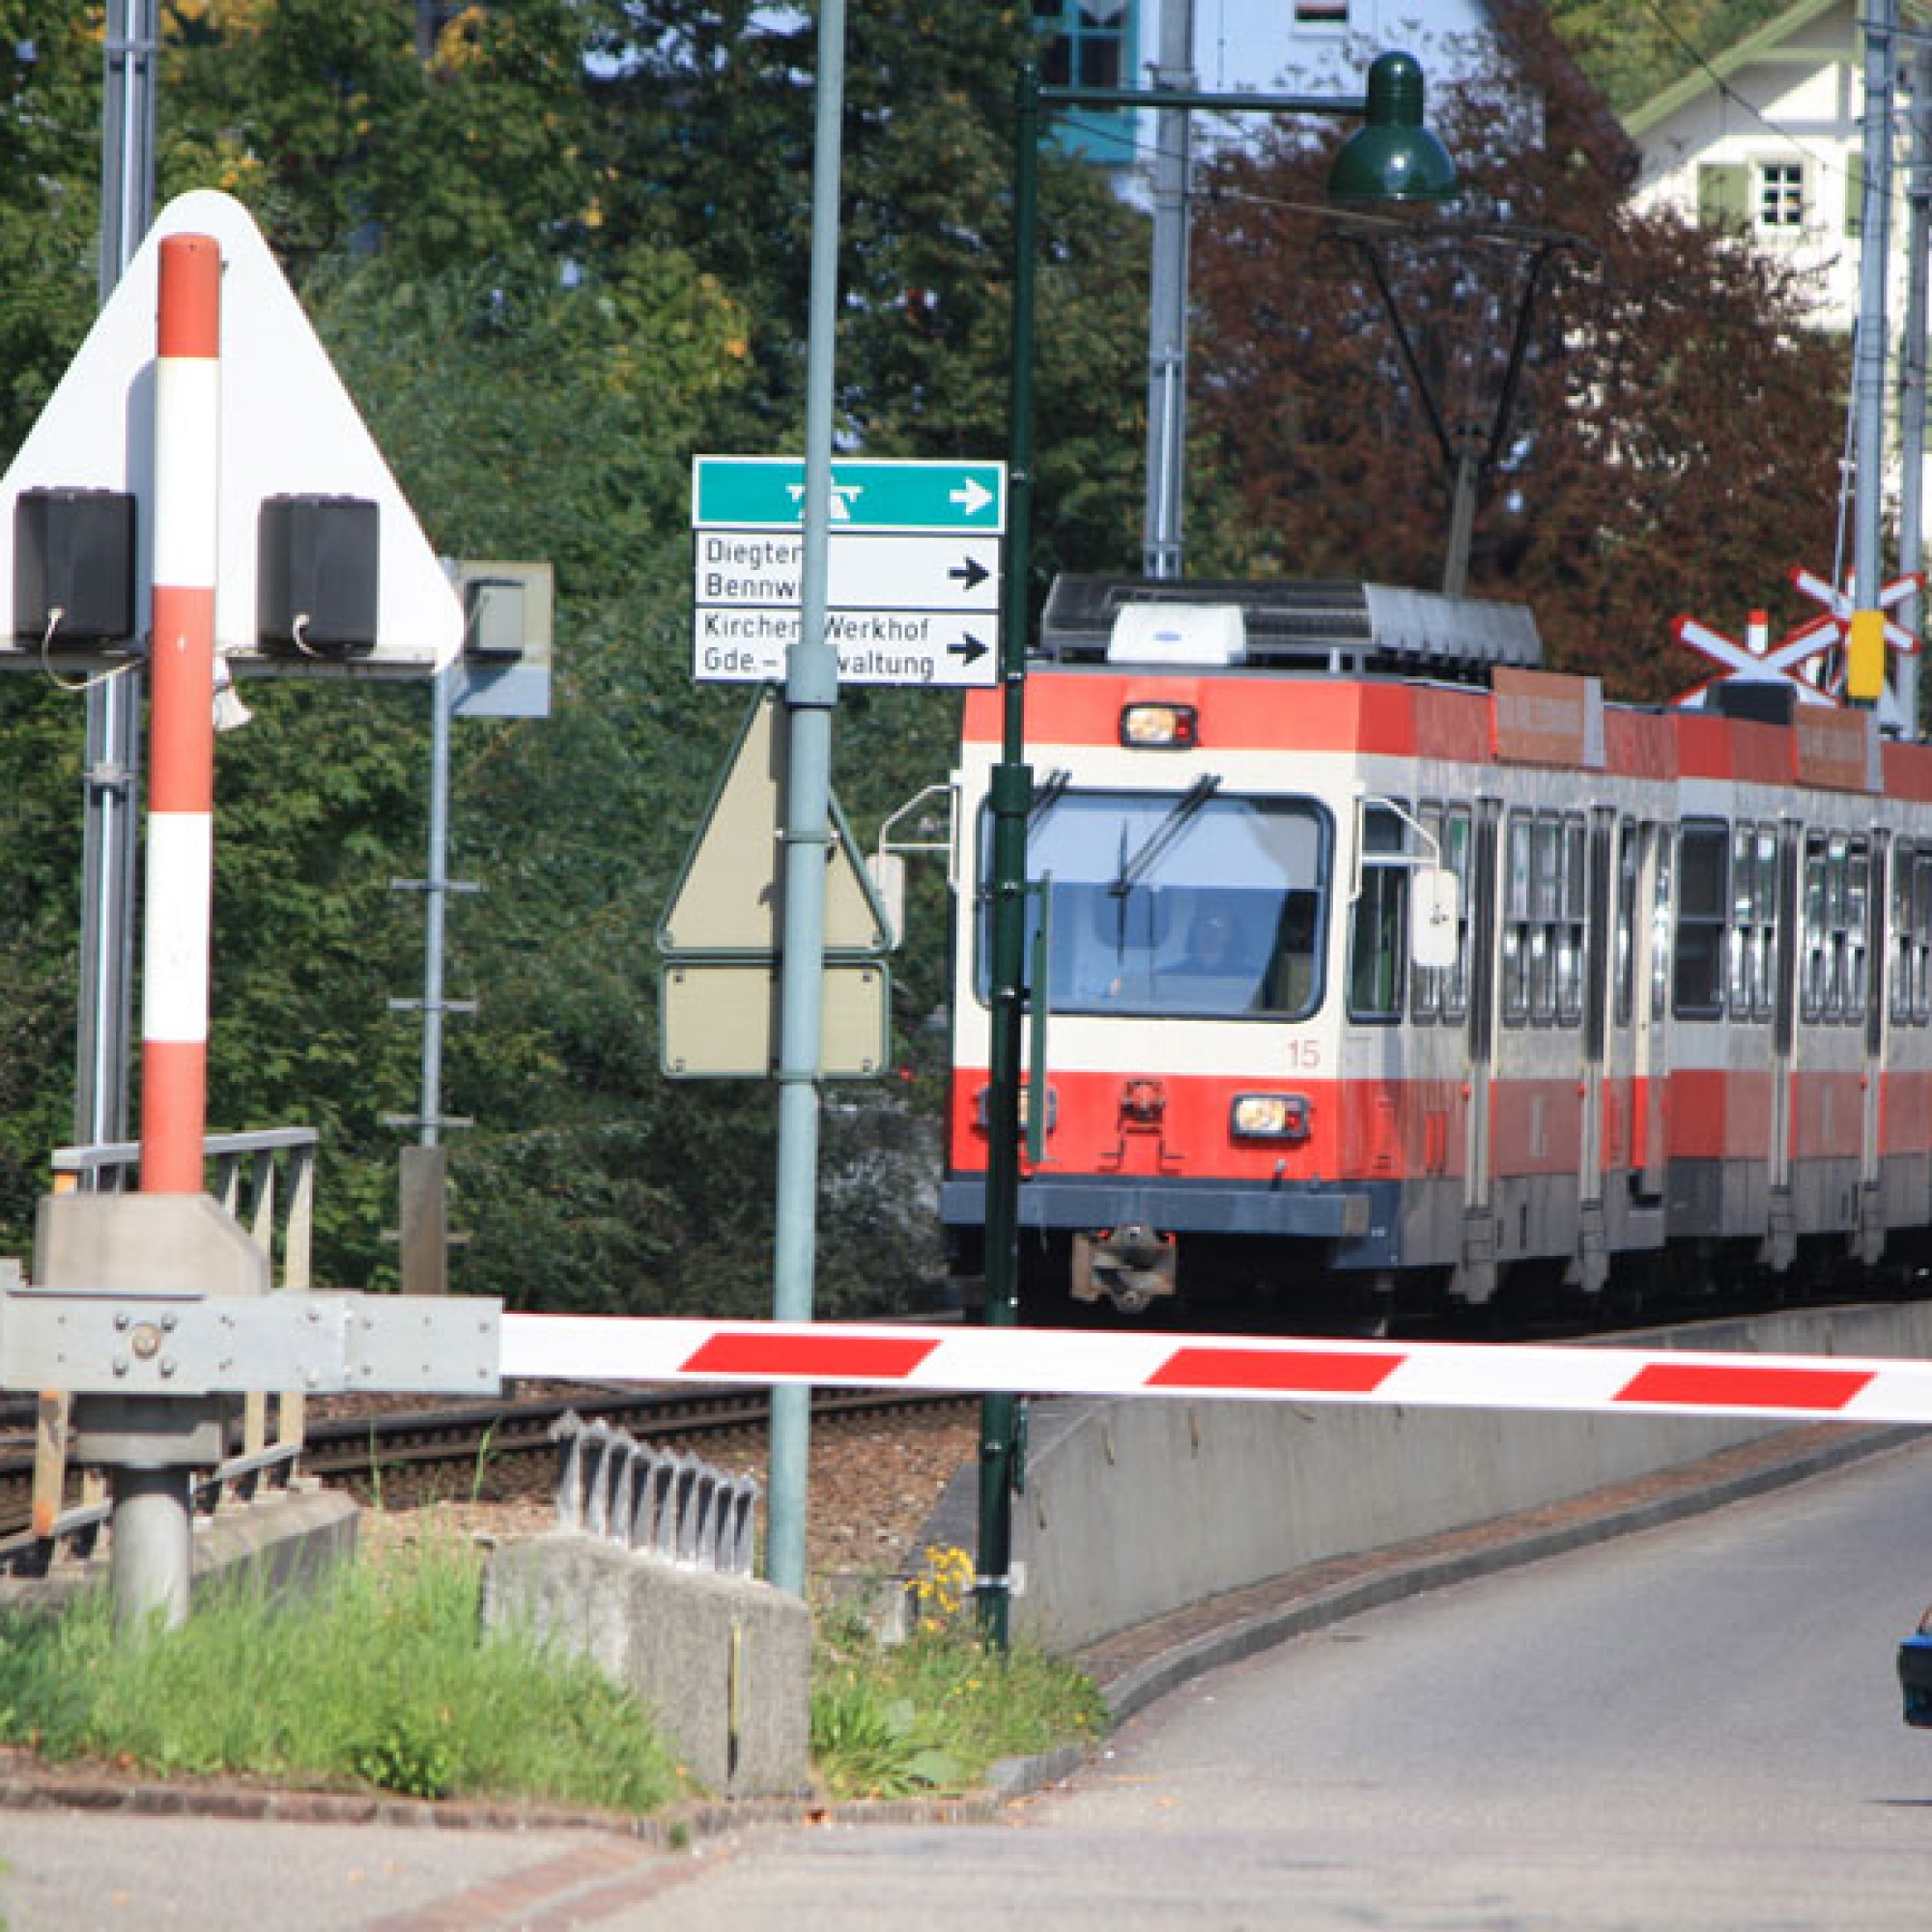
(1425, 991)
(1765, 1005)
(1458, 844)
(1520, 835)
(1378, 926)
(1856, 929)
(1573, 916)
(1753, 920)
(1624, 959)
(1905, 982)
(1922, 938)
(1824, 937)
(1660, 929)
(1703, 896)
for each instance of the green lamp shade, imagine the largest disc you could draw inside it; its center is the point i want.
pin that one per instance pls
(1392, 157)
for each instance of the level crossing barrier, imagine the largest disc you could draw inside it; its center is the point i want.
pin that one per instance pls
(265, 1179)
(1451, 1375)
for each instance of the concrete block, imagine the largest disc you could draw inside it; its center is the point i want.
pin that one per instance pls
(722, 1663)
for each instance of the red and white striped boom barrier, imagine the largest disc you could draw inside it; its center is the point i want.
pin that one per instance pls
(1422, 1375)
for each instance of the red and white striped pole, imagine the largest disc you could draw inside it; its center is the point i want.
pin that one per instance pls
(180, 785)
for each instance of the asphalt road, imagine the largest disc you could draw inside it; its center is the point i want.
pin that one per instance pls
(1692, 1729)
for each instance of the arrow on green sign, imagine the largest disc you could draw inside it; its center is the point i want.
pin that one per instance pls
(767, 493)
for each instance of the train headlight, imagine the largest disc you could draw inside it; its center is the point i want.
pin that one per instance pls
(1271, 1116)
(1161, 727)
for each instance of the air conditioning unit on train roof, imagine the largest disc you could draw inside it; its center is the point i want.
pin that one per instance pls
(1178, 633)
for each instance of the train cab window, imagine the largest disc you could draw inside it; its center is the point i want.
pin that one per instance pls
(1752, 945)
(1545, 906)
(1703, 910)
(1198, 903)
(1442, 992)
(1378, 924)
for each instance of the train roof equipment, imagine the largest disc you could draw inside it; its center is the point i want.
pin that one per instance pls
(1340, 628)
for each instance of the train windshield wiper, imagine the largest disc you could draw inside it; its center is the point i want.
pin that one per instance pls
(1165, 833)
(1047, 794)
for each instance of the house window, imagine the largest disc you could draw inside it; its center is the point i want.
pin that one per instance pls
(1320, 13)
(1086, 44)
(1090, 43)
(1780, 195)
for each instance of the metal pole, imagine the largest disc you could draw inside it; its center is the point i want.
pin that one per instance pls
(811, 691)
(180, 884)
(1912, 371)
(1011, 799)
(441, 699)
(151, 1535)
(1167, 305)
(112, 762)
(151, 1555)
(1868, 356)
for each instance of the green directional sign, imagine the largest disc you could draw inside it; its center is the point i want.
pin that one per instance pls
(767, 493)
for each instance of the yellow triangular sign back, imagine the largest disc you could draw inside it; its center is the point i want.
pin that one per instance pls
(728, 901)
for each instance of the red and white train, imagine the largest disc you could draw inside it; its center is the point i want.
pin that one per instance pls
(1388, 969)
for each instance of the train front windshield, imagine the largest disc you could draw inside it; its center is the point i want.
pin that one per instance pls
(1197, 902)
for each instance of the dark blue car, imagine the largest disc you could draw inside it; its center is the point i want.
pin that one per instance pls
(1914, 1674)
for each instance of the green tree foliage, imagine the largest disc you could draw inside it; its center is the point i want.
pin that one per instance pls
(50, 214)
(555, 253)
(564, 248)
(1634, 51)
(1673, 446)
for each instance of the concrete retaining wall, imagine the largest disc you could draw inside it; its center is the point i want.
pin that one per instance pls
(725, 1664)
(288, 1540)
(1135, 1507)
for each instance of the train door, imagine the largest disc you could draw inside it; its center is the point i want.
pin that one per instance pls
(1475, 1277)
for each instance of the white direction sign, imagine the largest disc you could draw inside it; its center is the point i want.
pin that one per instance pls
(912, 569)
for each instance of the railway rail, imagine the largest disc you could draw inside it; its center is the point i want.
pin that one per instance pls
(489, 1451)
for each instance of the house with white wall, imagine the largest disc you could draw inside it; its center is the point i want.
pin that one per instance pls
(1767, 136)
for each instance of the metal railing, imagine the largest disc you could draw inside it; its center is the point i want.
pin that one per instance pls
(656, 1503)
(265, 1179)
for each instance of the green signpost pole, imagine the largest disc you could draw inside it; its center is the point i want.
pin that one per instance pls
(811, 691)
(1392, 158)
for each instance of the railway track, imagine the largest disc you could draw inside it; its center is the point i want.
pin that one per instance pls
(493, 1451)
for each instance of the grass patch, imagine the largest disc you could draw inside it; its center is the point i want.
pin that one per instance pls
(934, 1713)
(381, 1679)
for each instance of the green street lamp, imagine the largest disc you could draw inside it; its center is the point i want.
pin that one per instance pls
(1391, 158)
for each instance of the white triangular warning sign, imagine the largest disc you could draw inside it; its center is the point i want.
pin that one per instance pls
(728, 899)
(288, 428)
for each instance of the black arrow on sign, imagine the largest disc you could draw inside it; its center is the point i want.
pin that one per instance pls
(970, 575)
(970, 651)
